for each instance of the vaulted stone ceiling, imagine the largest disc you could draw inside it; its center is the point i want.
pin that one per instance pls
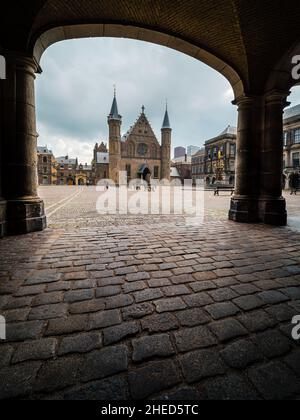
(250, 36)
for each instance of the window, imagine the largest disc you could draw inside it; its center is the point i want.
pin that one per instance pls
(215, 152)
(45, 159)
(296, 160)
(297, 136)
(232, 150)
(285, 138)
(45, 170)
(156, 172)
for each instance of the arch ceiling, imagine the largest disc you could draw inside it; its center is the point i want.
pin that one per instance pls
(243, 40)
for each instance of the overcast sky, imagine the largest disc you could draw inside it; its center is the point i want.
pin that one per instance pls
(75, 92)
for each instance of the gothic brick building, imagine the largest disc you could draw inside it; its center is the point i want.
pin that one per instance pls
(138, 152)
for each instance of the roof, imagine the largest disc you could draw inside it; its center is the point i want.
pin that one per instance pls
(141, 125)
(85, 167)
(166, 123)
(66, 161)
(114, 112)
(292, 112)
(102, 157)
(229, 131)
(174, 172)
(182, 159)
(200, 152)
(44, 150)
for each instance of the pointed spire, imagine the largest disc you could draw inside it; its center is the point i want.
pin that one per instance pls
(166, 123)
(114, 112)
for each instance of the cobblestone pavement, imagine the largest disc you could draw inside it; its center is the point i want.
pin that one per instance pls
(73, 207)
(153, 310)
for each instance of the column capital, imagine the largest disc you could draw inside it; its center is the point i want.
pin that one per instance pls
(277, 97)
(247, 101)
(22, 61)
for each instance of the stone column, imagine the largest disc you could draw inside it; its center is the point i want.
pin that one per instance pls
(272, 206)
(2, 201)
(25, 210)
(244, 204)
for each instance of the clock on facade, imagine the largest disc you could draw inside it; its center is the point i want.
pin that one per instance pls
(142, 149)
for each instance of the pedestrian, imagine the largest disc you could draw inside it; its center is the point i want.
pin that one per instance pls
(283, 181)
(294, 182)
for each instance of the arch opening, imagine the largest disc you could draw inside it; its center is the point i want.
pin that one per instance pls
(51, 36)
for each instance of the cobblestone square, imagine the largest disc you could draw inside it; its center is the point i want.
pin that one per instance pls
(132, 307)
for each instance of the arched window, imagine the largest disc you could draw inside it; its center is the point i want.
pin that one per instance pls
(131, 149)
(154, 152)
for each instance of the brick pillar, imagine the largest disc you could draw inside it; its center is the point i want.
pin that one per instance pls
(245, 203)
(272, 206)
(25, 210)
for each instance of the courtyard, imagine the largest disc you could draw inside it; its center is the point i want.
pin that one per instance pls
(149, 307)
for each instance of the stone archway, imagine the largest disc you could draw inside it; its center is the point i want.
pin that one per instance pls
(188, 27)
(24, 67)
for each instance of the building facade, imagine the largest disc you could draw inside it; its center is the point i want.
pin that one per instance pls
(85, 175)
(179, 152)
(138, 152)
(47, 168)
(191, 150)
(66, 170)
(216, 163)
(291, 137)
(198, 165)
(100, 162)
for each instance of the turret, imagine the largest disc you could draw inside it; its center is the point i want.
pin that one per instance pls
(166, 140)
(114, 123)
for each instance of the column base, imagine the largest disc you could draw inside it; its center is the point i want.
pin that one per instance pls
(2, 218)
(244, 210)
(273, 211)
(258, 210)
(25, 216)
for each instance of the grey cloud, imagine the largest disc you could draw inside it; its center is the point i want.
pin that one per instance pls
(74, 93)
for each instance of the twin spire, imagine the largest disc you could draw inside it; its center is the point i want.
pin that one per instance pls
(114, 112)
(166, 123)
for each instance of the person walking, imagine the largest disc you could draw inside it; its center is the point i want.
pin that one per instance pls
(294, 182)
(283, 181)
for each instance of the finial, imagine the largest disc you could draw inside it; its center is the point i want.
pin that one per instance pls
(115, 91)
(143, 109)
(166, 104)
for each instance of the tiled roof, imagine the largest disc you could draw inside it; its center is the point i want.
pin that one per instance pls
(66, 161)
(44, 150)
(229, 130)
(292, 112)
(102, 157)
